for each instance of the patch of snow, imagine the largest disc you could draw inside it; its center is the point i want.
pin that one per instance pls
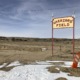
(34, 72)
(16, 63)
(57, 68)
(26, 72)
(78, 64)
(43, 63)
(4, 64)
(67, 64)
(62, 74)
(54, 61)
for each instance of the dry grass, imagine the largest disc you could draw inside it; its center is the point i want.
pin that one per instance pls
(61, 78)
(29, 51)
(57, 63)
(72, 71)
(7, 68)
(53, 69)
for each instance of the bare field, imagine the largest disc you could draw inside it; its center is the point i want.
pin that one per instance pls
(23, 51)
(26, 51)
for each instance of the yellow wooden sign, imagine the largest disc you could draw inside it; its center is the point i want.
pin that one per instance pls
(65, 22)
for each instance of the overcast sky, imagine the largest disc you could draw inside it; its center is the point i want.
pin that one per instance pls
(32, 18)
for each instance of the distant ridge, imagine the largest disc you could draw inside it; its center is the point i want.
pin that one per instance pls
(2, 38)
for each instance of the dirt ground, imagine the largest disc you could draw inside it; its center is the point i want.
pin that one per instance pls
(31, 51)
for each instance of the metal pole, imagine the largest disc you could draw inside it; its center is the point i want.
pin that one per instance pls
(73, 37)
(52, 38)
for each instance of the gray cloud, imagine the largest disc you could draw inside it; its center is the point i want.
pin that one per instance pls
(33, 16)
(24, 9)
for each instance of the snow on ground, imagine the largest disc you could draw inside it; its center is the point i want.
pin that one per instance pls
(66, 63)
(4, 64)
(15, 63)
(43, 63)
(34, 72)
